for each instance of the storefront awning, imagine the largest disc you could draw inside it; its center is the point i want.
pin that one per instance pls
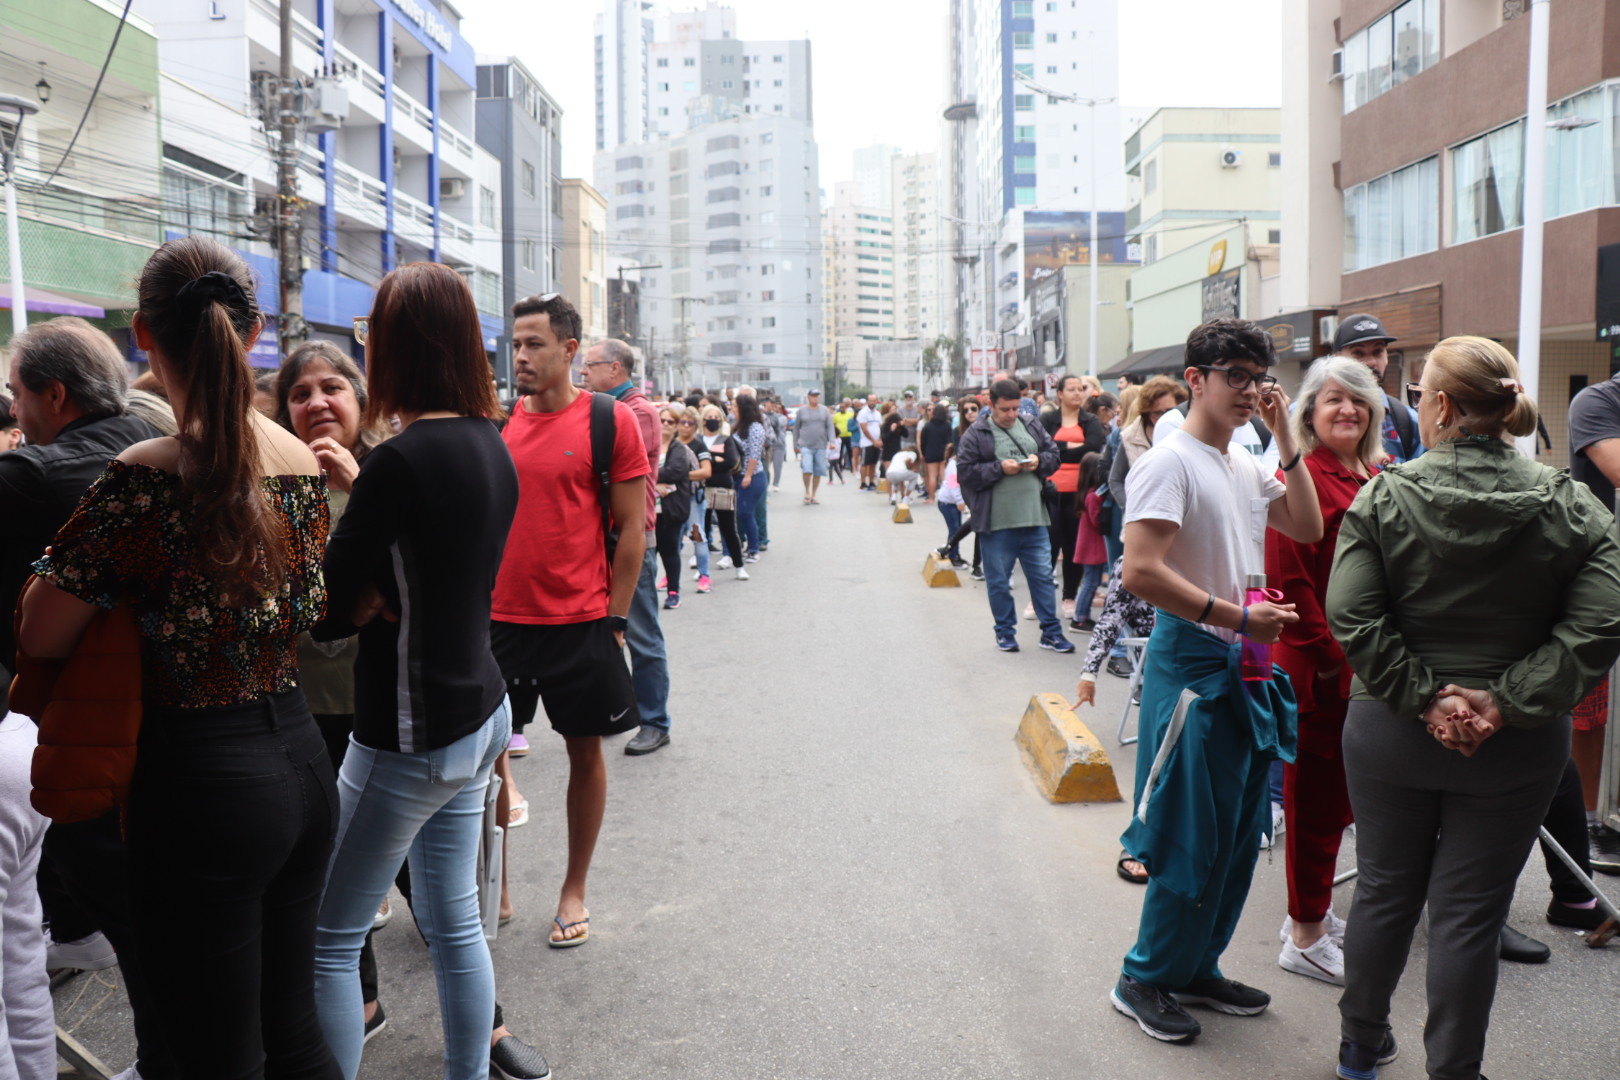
(1161, 361)
(49, 303)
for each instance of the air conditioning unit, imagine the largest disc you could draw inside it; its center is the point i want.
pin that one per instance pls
(452, 187)
(1326, 327)
(1231, 157)
(1336, 66)
(328, 105)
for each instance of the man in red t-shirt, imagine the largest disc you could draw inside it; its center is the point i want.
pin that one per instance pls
(609, 369)
(559, 609)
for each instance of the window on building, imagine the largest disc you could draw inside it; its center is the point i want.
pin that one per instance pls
(528, 179)
(193, 203)
(1394, 216)
(766, 190)
(1023, 39)
(528, 254)
(663, 110)
(768, 268)
(1273, 236)
(486, 207)
(663, 61)
(1023, 9)
(1274, 160)
(778, 108)
(768, 294)
(1024, 163)
(689, 61)
(726, 84)
(1150, 177)
(1487, 184)
(1051, 5)
(776, 59)
(1051, 69)
(1051, 39)
(1024, 196)
(1024, 133)
(1025, 70)
(1391, 50)
(768, 321)
(689, 86)
(1023, 101)
(663, 87)
(1575, 158)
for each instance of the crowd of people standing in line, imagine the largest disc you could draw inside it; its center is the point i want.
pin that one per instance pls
(352, 594)
(350, 609)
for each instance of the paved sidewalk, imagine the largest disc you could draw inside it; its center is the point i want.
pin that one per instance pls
(840, 868)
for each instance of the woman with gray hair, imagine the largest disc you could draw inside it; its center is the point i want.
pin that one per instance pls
(1338, 426)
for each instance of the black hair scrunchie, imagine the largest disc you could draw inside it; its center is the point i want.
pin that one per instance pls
(212, 286)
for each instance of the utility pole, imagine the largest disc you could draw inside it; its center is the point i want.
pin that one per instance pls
(8, 171)
(289, 212)
(1535, 211)
(683, 332)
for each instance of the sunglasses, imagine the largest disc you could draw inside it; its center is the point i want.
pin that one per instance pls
(1239, 379)
(543, 298)
(688, 423)
(667, 423)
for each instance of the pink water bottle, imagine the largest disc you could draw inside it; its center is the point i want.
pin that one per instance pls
(1256, 661)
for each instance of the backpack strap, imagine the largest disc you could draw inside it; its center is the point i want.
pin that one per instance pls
(1265, 432)
(603, 435)
(1402, 418)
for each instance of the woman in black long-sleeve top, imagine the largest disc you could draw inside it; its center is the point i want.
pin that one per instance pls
(413, 565)
(1078, 431)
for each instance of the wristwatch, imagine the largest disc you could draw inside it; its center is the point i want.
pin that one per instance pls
(618, 623)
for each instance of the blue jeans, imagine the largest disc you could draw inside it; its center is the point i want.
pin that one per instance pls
(430, 806)
(748, 502)
(649, 663)
(700, 508)
(1004, 549)
(953, 521)
(1088, 591)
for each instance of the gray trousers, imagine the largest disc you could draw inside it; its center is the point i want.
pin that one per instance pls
(1433, 826)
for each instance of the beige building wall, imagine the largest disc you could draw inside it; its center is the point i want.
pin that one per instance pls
(1200, 170)
(584, 240)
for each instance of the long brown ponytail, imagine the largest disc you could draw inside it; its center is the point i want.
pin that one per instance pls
(196, 297)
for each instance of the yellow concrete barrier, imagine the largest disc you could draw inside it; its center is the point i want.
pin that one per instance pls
(883, 484)
(1061, 753)
(939, 573)
(902, 514)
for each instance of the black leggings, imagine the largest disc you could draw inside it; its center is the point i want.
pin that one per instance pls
(1064, 510)
(726, 520)
(668, 536)
(960, 535)
(231, 820)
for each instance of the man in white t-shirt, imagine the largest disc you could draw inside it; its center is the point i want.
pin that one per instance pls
(1195, 530)
(1245, 436)
(869, 440)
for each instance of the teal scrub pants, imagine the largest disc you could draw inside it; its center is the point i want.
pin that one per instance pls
(1180, 941)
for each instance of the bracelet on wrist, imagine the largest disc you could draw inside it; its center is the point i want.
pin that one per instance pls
(1244, 625)
(1203, 616)
(1295, 461)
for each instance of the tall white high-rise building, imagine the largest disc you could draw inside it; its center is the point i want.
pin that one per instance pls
(1014, 148)
(717, 202)
(921, 275)
(623, 31)
(874, 172)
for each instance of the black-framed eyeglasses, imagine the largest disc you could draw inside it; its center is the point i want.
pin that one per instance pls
(362, 329)
(1414, 397)
(1240, 378)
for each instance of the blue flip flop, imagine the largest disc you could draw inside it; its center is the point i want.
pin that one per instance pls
(570, 942)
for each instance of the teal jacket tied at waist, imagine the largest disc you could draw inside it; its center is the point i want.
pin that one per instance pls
(1201, 725)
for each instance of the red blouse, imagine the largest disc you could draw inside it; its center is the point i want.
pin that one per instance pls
(1300, 571)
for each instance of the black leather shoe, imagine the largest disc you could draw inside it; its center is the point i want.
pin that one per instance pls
(514, 1059)
(1522, 949)
(647, 740)
(1576, 918)
(1119, 667)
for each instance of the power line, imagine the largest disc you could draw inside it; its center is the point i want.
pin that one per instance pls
(105, 64)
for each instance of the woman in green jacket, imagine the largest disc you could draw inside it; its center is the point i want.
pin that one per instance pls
(1476, 595)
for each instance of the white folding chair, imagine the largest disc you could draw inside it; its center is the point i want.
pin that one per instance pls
(1135, 649)
(491, 852)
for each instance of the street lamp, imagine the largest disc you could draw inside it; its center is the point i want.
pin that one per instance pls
(1090, 103)
(8, 170)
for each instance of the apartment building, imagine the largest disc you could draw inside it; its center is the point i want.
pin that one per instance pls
(584, 254)
(922, 276)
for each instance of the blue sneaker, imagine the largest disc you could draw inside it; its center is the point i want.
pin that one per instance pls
(1358, 1062)
(1006, 643)
(1059, 644)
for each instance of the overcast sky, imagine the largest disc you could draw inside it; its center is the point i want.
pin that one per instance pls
(880, 65)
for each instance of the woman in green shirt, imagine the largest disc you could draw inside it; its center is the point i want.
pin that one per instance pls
(1476, 595)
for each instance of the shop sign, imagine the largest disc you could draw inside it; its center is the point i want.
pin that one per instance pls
(1221, 294)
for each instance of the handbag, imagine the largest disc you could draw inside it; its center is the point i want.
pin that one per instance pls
(88, 708)
(723, 498)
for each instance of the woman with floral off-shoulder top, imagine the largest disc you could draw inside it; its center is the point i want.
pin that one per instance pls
(215, 539)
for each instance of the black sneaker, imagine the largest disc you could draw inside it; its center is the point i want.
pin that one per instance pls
(1122, 668)
(1224, 996)
(1085, 626)
(514, 1059)
(1605, 849)
(958, 563)
(375, 1025)
(977, 573)
(1358, 1062)
(1154, 1011)
(1006, 643)
(648, 739)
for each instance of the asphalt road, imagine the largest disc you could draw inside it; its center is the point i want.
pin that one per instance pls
(840, 868)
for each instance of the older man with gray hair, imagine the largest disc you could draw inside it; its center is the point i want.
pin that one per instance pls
(609, 369)
(68, 385)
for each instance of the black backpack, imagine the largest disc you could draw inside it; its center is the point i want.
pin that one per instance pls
(604, 430)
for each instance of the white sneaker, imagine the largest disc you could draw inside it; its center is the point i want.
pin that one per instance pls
(742, 575)
(724, 563)
(691, 564)
(1322, 960)
(1276, 827)
(92, 953)
(1332, 924)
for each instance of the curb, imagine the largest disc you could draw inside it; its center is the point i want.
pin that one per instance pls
(1067, 761)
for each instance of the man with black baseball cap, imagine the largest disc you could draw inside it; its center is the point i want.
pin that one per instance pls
(1363, 337)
